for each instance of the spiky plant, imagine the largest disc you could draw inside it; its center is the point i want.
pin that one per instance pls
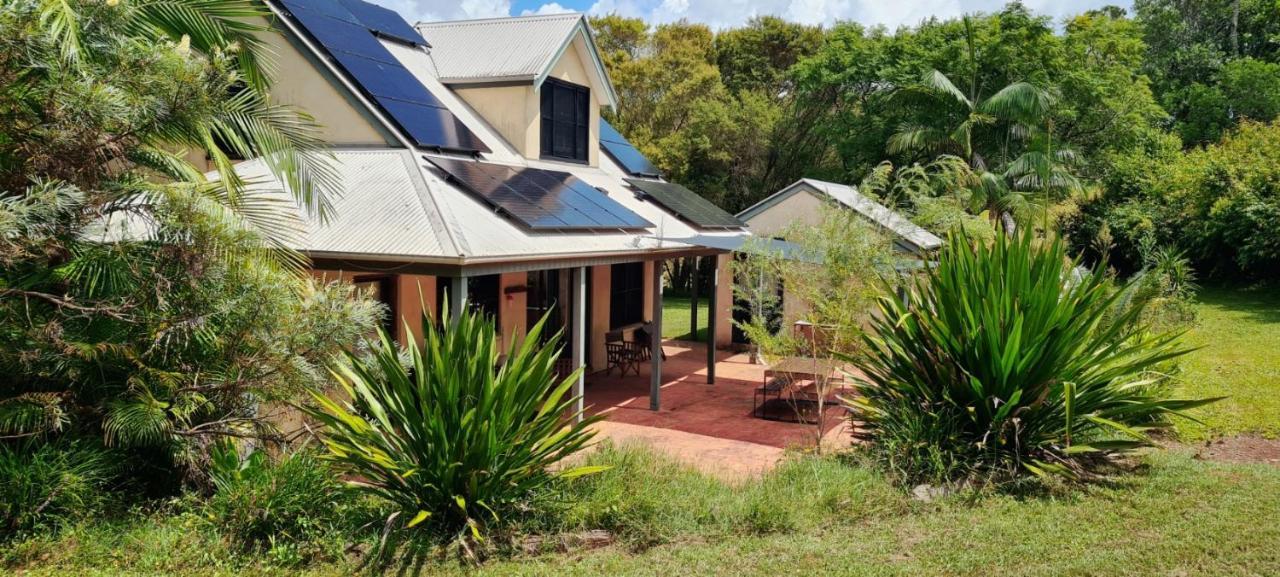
(1003, 359)
(457, 440)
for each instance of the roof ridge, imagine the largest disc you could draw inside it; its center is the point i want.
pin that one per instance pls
(492, 19)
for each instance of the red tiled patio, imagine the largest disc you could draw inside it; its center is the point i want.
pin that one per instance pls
(690, 405)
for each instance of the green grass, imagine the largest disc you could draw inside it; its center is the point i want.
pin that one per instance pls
(675, 318)
(812, 516)
(1238, 333)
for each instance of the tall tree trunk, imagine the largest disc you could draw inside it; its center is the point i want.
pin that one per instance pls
(1235, 28)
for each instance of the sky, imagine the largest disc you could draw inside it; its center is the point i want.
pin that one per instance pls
(726, 13)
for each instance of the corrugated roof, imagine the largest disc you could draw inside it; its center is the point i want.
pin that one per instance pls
(396, 206)
(849, 196)
(491, 49)
(385, 208)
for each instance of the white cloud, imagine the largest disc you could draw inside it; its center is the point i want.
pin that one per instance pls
(552, 8)
(726, 13)
(420, 10)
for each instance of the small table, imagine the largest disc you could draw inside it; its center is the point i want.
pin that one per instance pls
(801, 368)
(794, 378)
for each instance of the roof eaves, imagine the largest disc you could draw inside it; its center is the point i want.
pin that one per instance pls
(771, 200)
(481, 80)
(581, 27)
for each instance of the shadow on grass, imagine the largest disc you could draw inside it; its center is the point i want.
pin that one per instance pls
(1260, 303)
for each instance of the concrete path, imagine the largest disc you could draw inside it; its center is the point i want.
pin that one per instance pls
(726, 459)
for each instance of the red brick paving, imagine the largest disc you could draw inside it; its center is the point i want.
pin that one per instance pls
(689, 404)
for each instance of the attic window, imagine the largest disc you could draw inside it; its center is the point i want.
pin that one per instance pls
(565, 120)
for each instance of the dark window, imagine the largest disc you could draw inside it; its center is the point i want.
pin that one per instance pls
(482, 295)
(566, 117)
(548, 292)
(382, 289)
(626, 294)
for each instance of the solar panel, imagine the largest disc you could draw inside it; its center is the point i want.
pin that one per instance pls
(383, 21)
(330, 8)
(540, 199)
(686, 204)
(338, 26)
(622, 151)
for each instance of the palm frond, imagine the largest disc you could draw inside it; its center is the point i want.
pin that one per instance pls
(61, 21)
(227, 26)
(137, 421)
(911, 138)
(1020, 101)
(287, 139)
(939, 83)
(32, 414)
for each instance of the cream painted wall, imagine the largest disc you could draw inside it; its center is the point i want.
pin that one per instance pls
(724, 301)
(415, 294)
(601, 283)
(512, 308)
(298, 83)
(516, 111)
(803, 207)
(513, 111)
(648, 291)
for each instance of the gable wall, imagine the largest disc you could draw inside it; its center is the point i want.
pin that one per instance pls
(515, 110)
(803, 207)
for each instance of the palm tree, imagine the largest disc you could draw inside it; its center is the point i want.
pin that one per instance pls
(224, 33)
(968, 116)
(100, 103)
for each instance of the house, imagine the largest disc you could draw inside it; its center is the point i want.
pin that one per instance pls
(802, 203)
(475, 165)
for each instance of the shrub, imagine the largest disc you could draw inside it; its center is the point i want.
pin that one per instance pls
(284, 508)
(43, 484)
(455, 442)
(1004, 359)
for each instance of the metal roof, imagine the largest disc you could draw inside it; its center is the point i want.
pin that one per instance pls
(515, 49)
(396, 206)
(752, 244)
(919, 238)
(385, 207)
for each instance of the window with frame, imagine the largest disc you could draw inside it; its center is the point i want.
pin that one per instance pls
(626, 294)
(566, 119)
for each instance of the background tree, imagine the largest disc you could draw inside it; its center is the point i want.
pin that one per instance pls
(142, 305)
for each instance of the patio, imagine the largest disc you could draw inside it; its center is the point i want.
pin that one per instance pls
(690, 405)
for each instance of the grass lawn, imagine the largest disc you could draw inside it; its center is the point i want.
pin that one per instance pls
(1239, 336)
(812, 516)
(675, 318)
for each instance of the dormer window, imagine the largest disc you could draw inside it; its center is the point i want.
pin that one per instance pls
(566, 119)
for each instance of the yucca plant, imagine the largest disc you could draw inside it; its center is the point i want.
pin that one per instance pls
(1003, 359)
(457, 440)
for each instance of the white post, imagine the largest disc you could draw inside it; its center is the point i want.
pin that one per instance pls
(580, 337)
(655, 340)
(713, 317)
(457, 297)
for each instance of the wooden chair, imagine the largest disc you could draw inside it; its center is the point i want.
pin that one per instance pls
(643, 334)
(621, 354)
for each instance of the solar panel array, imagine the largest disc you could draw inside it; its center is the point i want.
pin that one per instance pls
(348, 30)
(686, 204)
(540, 199)
(622, 151)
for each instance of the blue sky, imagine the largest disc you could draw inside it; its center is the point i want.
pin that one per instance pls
(723, 13)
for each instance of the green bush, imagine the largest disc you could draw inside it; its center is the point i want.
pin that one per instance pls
(1219, 205)
(285, 508)
(455, 442)
(1005, 359)
(44, 484)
